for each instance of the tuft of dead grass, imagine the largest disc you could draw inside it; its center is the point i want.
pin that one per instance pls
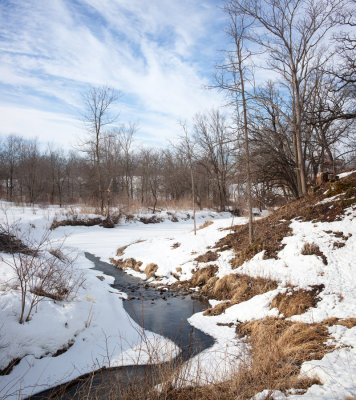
(128, 263)
(348, 322)
(237, 288)
(150, 270)
(202, 276)
(296, 301)
(10, 367)
(218, 309)
(151, 220)
(269, 234)
(205, 224)
(313, 249)
(207, 257)
(289, 345)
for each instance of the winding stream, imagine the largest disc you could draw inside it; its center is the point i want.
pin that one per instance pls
(162, 312)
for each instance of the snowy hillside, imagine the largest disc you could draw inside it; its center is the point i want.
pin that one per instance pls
(287, 302)
(301, 270)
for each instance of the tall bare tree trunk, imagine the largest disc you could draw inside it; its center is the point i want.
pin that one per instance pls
(245, 127)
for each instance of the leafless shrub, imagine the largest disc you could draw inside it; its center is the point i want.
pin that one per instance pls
(40, 273)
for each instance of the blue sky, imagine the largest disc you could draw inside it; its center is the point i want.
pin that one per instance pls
(158, 53)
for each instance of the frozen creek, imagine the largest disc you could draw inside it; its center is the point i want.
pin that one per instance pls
(162, 312)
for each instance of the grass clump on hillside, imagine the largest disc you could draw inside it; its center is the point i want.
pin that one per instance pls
(313, 249)
(296, 301)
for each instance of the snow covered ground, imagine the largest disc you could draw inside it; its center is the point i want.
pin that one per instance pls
(93, 324)
(101, 339)
(336, 240)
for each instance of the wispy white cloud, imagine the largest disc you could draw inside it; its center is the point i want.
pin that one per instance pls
(48, 127)
(157, 53)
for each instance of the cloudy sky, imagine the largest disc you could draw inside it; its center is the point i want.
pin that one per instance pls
(160, 54)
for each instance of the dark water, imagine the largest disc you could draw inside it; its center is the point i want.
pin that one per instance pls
(161, 312)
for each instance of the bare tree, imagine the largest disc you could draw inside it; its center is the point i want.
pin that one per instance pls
(292, 32)
(187, 146)
(126, 135)
(210, 136)
(237, 68)
(98, 104)
(345, 69)
(10, 157)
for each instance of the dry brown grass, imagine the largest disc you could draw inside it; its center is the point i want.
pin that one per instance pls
(269, 234)
(207, 257)
(205, 224)
(128, 263)
(120, 250)
(218, 309)
(271, 230)
(202, 276)
(313, 249)
(154, 219)
(294, 302)
(288, 345)
(150, 270)
(11, 244)
(76, 220)
(237, 288)
(348, 322)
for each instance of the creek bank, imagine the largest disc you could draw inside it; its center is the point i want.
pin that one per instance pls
(164, 312)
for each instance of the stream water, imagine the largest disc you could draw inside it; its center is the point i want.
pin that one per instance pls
(162, 312)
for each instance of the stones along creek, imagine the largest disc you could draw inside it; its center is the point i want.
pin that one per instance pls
(159, 311)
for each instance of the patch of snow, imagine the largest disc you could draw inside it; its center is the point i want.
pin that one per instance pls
(345, 174)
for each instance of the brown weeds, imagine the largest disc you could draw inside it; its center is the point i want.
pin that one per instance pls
(150, 270)
(9, 243)
(269, 234)
(205, 224)
(294, 302)
(271, 230)
(313, 249)
(288, 344)
(128, 263)
(207, 257)
(348, 322)
(237, 288)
